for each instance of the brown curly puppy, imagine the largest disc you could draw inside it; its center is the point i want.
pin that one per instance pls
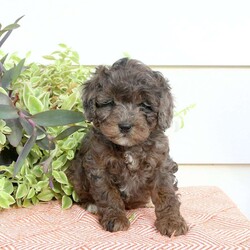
(124, 159)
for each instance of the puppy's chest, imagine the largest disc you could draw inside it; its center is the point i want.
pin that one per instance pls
(135, 168)
(135, 161)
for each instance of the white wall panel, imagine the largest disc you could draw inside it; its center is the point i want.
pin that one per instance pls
(157, 32)
(217, 129)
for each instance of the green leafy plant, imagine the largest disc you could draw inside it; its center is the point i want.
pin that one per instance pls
(180, 115)
(41, 125)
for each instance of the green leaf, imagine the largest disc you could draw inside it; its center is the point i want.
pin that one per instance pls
(62, 45)
(8, 187)
(4, 99)
(46, 144)
(7, 169)
(34, 200)
(70, 101)
(45, 99)
(6, 79)
(69, 144)
(18, 19)
(16, 132)
(3, 91)
(49, 57)
(19, 202)
(75, 57)
(6, 200)
(24, 153)
(66, 202)
(67, 189)
(46, 164)
(60, 176)
(8, 33)
(2, 182)
(2, 139)
(57, 187)
(26, 126)
(35, 79)
(27, 203)
(31, 193)
(3, 59)
(6, 130)
(67, 132)
(41, 184)
(57, 117)
(27, 92)
(46, 195)
(22, 191)
(18, 70)
(31, 179)
(57, 164)
(9, 27)
(8, 112)
(75, 196)
(12, 74)
(34, 105)
(37, 171)
(70, 154)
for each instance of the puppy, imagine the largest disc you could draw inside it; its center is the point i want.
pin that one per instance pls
(124, 159)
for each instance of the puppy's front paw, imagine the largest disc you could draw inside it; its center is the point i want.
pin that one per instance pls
(172, 226)
(116, 223)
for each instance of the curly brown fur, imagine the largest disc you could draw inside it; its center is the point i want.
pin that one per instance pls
(124, 159)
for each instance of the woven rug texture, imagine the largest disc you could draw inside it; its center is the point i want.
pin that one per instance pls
(214, 221)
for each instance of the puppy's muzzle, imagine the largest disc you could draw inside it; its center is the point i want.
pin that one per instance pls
(125, 127)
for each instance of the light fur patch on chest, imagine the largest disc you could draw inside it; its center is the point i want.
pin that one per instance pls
(131, 162)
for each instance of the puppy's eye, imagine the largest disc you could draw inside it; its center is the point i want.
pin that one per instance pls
(146, 106)
(109, 103)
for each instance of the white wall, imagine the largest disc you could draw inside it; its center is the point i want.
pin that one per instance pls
(217, 129)
(159, 32)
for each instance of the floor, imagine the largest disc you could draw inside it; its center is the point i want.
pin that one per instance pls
(234, 180)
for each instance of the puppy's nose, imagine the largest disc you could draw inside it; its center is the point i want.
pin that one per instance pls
(125, 127)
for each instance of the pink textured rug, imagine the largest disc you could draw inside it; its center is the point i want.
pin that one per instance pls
(214, 220)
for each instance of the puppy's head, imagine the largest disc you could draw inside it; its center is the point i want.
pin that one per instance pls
(128, 101)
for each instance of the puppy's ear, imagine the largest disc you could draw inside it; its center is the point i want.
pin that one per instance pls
(165, 114)
(120, 63)
(91, 88)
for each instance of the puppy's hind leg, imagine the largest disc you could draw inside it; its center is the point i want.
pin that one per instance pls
(78, 179)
